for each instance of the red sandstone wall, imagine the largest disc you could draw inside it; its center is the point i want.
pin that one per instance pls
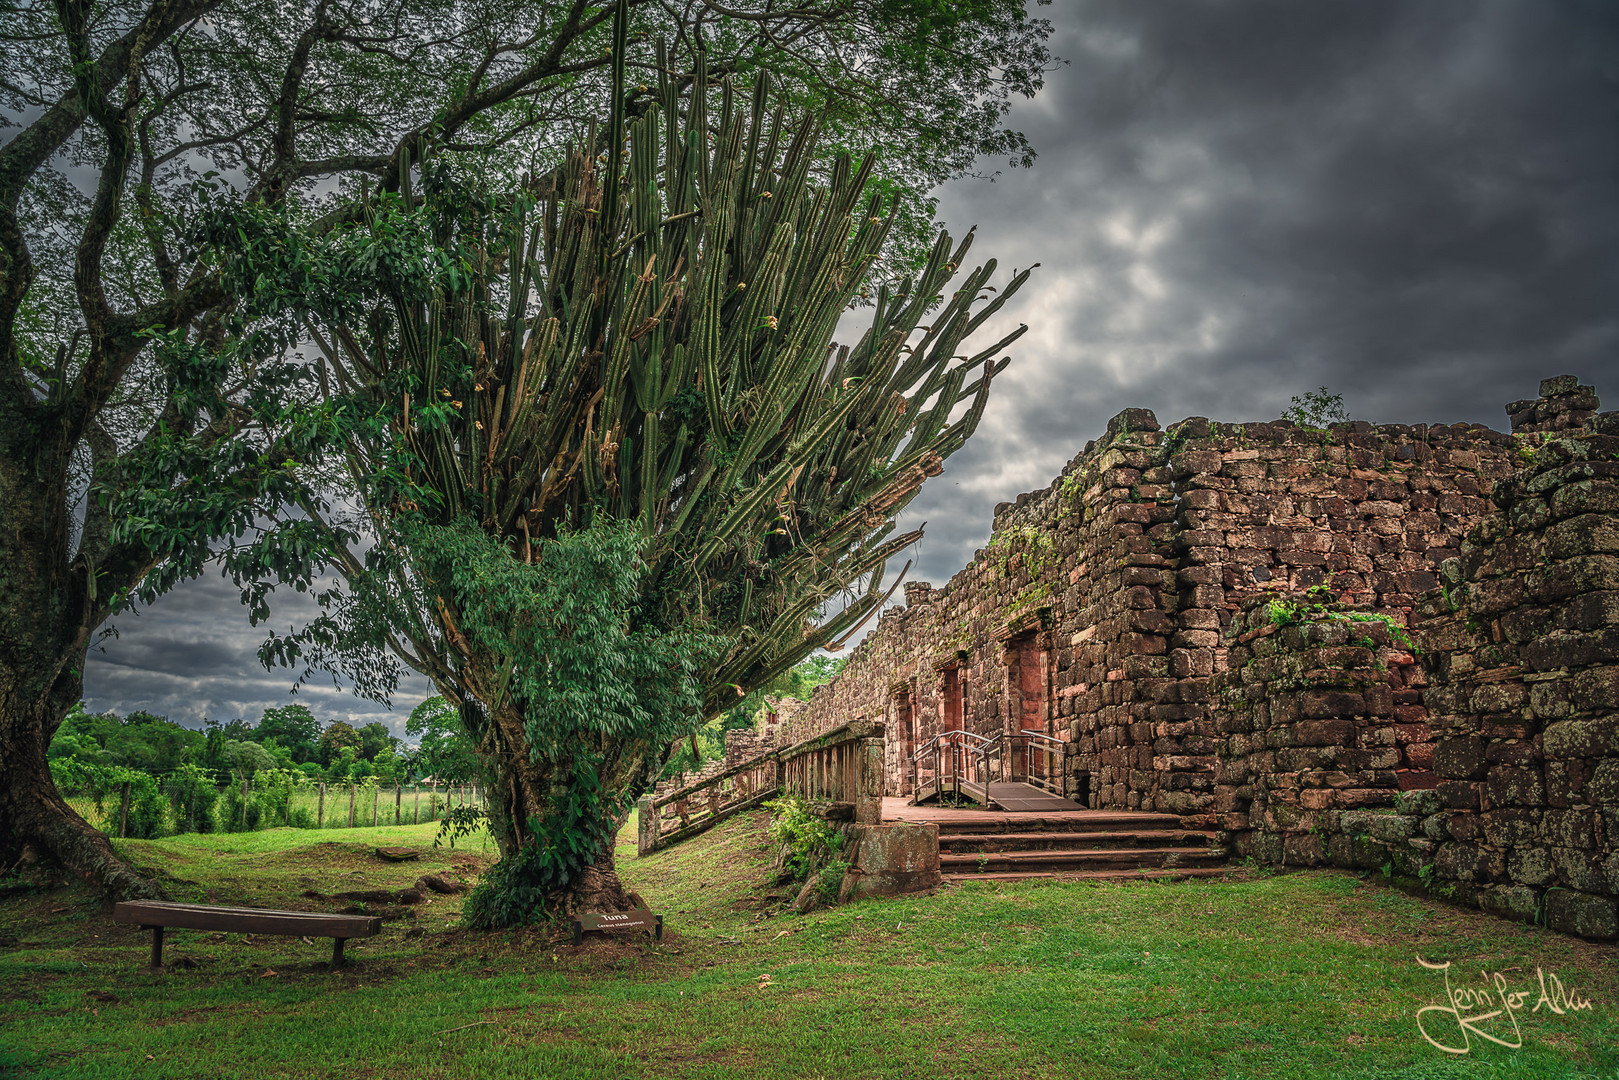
(1118, 580)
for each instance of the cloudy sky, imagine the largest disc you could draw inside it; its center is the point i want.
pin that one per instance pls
(1415, 204)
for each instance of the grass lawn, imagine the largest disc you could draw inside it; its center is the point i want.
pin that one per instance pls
(1299, 975)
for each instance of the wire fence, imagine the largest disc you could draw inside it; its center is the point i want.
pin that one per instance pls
(309, 806)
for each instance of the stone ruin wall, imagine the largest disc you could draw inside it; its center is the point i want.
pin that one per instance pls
(1124, 608)
(1121, 578)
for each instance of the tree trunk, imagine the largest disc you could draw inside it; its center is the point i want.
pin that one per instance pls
(48, 611)
(522, 791)
(32, 812)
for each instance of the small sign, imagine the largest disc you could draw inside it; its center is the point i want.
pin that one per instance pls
(636, 919)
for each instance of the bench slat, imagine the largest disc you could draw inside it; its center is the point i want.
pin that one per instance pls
(245, 920)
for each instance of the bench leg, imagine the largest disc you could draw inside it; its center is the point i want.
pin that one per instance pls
(657, 928)
(337, 951)
(157, 945)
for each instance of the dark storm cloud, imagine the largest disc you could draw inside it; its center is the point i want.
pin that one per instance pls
(193, 656)
(1415, 204)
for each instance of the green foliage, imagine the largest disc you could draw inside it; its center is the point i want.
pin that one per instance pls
(192, 795)
(295, 728)
(148, 810)
(446, 752)
(338, 737)
(138, 741)
(1280, 612)
(246, 759)
(1316, 409)
(808, 841)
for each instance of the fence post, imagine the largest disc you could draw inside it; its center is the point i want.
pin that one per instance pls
(646, 826)
(399, 793)
(320, 809)
(123, 813)
(376, 802)
(351, 804)
(416, 814)
(244, 804)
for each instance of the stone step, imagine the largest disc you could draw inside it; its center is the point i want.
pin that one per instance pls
(967, 822)
(973, 843)
(1177, 873)
(1080, 859)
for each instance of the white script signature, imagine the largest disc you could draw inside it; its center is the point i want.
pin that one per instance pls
(1491, 1012)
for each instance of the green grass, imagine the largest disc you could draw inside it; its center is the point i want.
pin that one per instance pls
(1299, 975)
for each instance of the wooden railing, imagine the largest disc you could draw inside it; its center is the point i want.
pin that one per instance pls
(843, 767)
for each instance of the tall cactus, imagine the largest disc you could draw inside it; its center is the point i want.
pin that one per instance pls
(642, 340)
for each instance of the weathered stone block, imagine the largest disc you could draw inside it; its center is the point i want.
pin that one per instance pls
(1582, 914)
(1460, 758)
(1590, 738)
(1458, 794)
(1531, 865)
(1580, 869)
(1318, 704)
(1356, 798)
(1303, 849)
(1504, 828)
(1516, 902)
(1510, 785)
(1574, 828)
(894, 859)
(1393, 828)
(1360, 853)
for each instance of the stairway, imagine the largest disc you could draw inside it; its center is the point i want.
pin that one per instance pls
(1090, 845)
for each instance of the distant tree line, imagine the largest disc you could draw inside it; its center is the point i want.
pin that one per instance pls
(290, 739)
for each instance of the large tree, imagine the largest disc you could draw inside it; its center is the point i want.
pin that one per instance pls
(145, 412)
(613, 476)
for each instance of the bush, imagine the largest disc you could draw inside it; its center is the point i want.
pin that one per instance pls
(301, 818)
(148, 809)
(808, 840)
(192, 795)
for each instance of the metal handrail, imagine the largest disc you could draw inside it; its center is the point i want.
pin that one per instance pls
(946, 735)
(1061, 745)
(956, 740)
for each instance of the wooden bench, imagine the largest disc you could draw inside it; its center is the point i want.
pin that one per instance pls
(155, 915)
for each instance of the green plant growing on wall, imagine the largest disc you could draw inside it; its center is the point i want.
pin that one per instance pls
(1316, 409)
(1280, 612)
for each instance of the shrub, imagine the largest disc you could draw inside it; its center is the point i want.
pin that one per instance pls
(192, 795)
(808, 840)
(148, 810)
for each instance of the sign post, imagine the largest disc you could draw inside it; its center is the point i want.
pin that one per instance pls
(636, 919)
